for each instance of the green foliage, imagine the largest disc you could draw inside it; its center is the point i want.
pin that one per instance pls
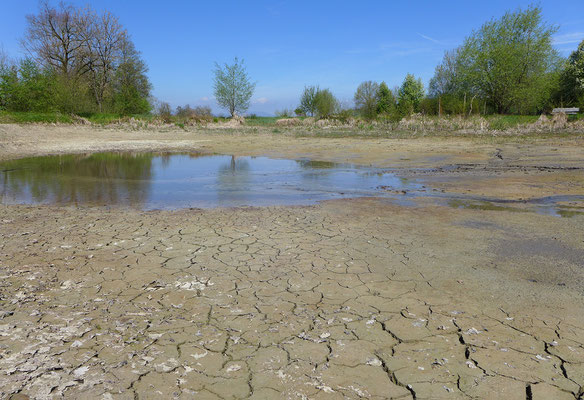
(299, 112)
(261, 121)
(14, 117)
(571, 80)
(131, 85)
(233, 88)
(284, 113)
(345, 115)
(509, 62)
(411, 92)
(366, 99)
(385, 100)
(325, 103)
(25, 87)
(503, 122)
(451, 105)
(85, 63)
(308, 100)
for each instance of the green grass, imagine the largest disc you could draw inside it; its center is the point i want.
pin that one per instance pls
(13, 117)
(502, 122)
(260, 121)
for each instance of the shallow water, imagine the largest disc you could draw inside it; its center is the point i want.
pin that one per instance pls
(169, 181)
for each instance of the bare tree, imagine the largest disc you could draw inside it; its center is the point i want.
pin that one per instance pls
(104, 40)
(55, 37)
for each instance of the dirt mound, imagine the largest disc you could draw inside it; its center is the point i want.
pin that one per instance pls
(234, 122)
(80, 120)
(560, 120)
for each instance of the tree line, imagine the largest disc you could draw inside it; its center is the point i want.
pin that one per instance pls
(78, 61)
(507, 66)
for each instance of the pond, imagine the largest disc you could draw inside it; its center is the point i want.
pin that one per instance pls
(172, 181)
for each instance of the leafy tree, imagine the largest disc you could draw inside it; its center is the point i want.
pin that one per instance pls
(131, 84)
(509, 62)
(571, 86)
(385, 99)
(307, 100)
(233, 89)
(25, 87)
(411, 92)
(447, 77)
(90, 60)
(325, 103)
(366, 99)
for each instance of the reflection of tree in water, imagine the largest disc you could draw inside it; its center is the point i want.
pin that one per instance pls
(105, 178)
(312, 164)
(233, 180)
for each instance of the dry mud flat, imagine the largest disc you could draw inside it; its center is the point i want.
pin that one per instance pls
(346, 299)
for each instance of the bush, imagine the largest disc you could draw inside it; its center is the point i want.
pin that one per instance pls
(284, 113)
(325, 103)
(300, 112)
(164, 112)
(345, 115)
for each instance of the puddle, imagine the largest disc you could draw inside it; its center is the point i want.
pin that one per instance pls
(170, 181)
(481, 205)
(192, 180)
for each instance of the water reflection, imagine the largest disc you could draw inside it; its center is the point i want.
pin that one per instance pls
(103, 178)
(170, 180)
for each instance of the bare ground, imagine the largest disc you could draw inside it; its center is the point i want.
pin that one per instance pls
(349, 299)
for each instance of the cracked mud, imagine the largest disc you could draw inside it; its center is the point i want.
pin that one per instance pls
(345, 299)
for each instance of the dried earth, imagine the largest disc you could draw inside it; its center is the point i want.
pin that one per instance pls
(361, 298)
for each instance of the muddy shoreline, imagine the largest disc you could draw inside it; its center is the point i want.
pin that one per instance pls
(344, 299)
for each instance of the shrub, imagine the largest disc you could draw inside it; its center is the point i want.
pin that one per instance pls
(325, 103)
(284, 113)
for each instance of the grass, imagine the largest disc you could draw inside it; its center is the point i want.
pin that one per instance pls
(13, 117)
(502, 122)
(260, 121)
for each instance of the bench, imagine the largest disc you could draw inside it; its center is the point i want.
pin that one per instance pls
(567, 111)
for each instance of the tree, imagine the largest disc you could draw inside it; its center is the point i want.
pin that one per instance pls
(571, 87)
(233, 89)
(447, 76)
(90, 58)
(130, 82)
(25, 87)
(325, 103)
(103, 39)
(55, 37)
(366, 99)
(411, 92)
(307, 100)
(385, 99)
(509, 62)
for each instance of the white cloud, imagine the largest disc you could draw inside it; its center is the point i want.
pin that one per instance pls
(261, 100)
(204, 98)
(429, 38)
(568, 38)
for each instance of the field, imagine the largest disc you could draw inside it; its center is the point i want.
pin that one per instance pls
(356, 298)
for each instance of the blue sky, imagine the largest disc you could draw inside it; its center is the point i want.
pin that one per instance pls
(288, 44)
